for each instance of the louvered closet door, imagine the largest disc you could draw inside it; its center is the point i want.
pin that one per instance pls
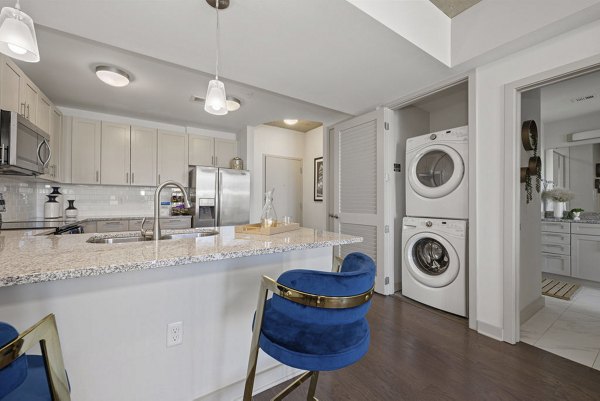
(358, 187)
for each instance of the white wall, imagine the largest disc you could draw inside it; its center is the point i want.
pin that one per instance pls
(530, 298)
(272, 141)
(491, 79)
(555, 132)
(314, 214)
(582, 172)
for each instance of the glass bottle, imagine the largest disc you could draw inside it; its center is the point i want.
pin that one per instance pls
(268, 218)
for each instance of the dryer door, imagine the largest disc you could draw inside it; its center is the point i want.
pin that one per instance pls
(435, 171)
(431, 260)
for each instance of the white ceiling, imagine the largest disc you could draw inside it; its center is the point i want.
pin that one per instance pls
(307, 59)
(327, 53)
(558, 100)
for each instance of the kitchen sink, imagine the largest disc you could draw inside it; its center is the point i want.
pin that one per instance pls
(116, 240)
(190, 235)
(124, 240)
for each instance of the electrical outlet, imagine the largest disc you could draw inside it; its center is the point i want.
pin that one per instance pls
(174, 334)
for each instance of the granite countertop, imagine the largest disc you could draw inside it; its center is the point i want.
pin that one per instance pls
(582, 220)
(30, 259)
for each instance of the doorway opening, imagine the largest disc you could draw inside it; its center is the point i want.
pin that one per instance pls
(552, 292)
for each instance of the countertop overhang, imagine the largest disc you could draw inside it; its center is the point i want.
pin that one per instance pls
(28, 259)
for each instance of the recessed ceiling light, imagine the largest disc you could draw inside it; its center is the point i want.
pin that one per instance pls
(290, 121)
(233, 103)
(112, 76)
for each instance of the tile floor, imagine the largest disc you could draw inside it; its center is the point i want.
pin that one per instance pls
(570, 329)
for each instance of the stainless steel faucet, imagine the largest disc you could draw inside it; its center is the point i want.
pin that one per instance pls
(156, 234)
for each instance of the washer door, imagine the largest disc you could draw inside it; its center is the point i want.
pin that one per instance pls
(431, 260)
(435, 171)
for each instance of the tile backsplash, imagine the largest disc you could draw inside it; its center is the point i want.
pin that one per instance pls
(25, 199)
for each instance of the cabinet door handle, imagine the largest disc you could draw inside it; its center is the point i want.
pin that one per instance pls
(159, 179)
(126, 178)
(132, 178)
(216, 161)
(28, 112)
(212, 160)
(97, 176)
(23, 107)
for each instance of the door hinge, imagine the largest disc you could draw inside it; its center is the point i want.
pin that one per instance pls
(387, 280)
(386, 126)
(386, 229)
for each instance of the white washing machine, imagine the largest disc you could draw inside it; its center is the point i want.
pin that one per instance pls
(434, 268)
(437, 174)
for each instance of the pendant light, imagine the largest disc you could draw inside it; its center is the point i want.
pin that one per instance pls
(17, 35)
(216, 99)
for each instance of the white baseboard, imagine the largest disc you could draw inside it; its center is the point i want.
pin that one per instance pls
(495, 332)
(529, 310)
(263, 381)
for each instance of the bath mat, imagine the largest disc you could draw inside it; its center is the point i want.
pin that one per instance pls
(559, 289)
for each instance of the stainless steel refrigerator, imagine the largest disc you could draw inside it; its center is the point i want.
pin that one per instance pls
(220, 196)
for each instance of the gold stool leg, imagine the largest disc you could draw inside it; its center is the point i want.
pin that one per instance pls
(313, 387)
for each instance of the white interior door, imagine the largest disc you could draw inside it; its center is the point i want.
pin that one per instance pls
(358, 190)
(285, 175)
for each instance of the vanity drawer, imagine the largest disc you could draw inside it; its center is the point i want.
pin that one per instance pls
(556, 226)
(586, 257)
(112, 226)
(586, 229)
(556, 238)
(561, 249)
(557, 264)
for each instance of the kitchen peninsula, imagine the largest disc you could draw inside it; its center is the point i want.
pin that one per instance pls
(113, 303)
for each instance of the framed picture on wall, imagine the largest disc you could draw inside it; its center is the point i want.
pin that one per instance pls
(318, 179)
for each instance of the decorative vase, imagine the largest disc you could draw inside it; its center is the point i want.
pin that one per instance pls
(71, 211)
(52, 208)
(559, 209)
(268, 218)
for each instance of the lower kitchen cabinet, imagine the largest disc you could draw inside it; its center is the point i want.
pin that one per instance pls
(585, 257)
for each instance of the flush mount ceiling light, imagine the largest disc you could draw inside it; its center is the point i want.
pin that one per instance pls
(216, 99)
(233, 103)
(17, 35)
(112, 76)
(291, 121)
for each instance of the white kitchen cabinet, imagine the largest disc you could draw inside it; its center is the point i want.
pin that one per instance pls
(56, 129)
(85, 151)
(115, 154)
(43, 113)
(10, 87)
(172, 157)
(143, 156)
(209, 151)
(30, 93)
(225, 150)
(201, 152)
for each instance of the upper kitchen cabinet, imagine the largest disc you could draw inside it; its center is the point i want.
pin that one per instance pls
(115, 154)
(85, 151)
(225, 150)
(43, 113)
(56, 134)
(172, 156)
(208, 151)
(201, 150)
(10, 86)
(143, 156)
(30, 94)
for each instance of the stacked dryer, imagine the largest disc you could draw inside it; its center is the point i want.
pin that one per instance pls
(434, 233)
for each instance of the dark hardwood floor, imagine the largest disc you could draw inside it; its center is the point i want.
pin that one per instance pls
(420, 354)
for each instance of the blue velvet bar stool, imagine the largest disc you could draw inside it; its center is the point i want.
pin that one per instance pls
(315, 321)
(32, 377)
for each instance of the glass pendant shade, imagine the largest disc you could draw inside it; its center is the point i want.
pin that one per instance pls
(17, 35)
(216, 100)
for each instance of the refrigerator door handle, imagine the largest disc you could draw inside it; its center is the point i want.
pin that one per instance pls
(218, 193)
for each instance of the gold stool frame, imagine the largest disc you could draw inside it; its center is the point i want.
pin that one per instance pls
(45, 333)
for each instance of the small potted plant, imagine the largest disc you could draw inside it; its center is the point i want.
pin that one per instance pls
(559, 196)
(575, 213)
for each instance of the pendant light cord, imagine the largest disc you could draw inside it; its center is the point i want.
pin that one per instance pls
(218, 42)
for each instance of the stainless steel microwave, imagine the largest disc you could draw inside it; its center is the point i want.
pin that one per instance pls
(24, 147)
